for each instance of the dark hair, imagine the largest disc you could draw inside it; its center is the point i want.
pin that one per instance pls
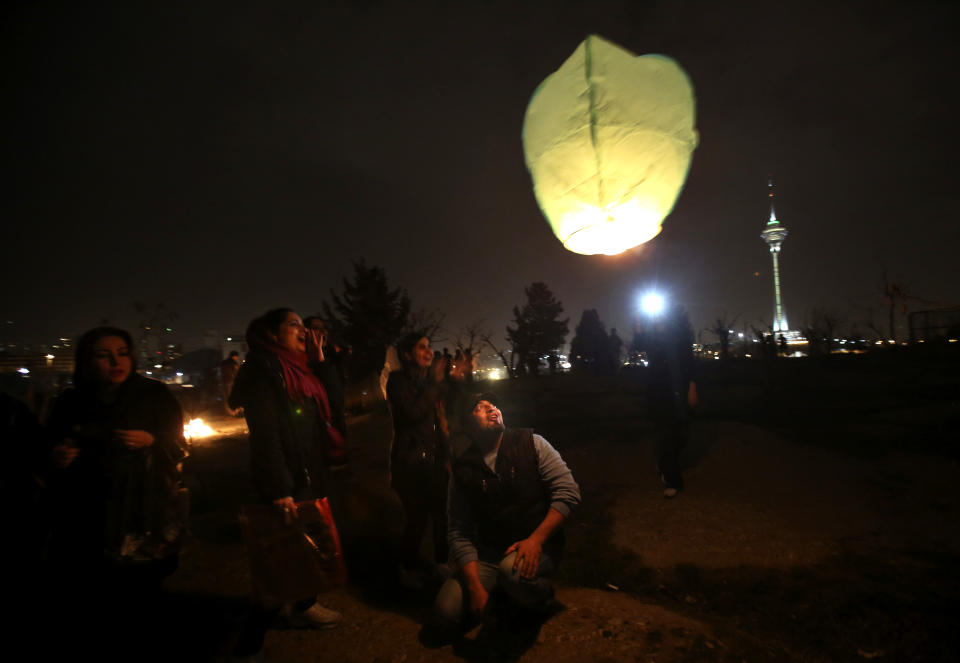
(406, 344)
(310, 318)
(260, 329)
(84, 354)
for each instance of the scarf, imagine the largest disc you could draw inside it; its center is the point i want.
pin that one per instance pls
(303, 384)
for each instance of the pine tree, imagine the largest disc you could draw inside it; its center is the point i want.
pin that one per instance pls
(590, 347)
(368, 316)
(538, 331)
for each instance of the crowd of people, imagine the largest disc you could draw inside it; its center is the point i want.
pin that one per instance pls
(114, 446)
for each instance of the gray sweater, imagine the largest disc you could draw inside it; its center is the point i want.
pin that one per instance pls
(461, 525)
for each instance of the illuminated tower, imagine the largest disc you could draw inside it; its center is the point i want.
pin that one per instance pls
(773, 234)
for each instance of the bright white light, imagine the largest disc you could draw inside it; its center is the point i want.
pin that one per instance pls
(158, 365)
(196, 428)
(179, 374)
(23, 371)
(495, 374)
(49, 356)
(652, 303)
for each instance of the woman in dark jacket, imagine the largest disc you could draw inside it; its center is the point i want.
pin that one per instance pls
(118, 504)
(419, 394)
(283, 390)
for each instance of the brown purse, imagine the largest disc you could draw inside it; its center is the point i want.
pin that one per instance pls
(293, 558)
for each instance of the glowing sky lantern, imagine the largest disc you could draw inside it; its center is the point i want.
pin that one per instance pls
(608, 139)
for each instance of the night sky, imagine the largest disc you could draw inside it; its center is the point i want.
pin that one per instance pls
(225, 158)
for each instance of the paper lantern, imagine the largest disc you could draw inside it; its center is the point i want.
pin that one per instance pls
(608, 139)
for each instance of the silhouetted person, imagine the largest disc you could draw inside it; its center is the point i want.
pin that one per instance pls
(615, 345)
(228, 373)
(21, 483)
(420, 452)
(670, 393)
(119, 509)
(333, 352)
(336, 382)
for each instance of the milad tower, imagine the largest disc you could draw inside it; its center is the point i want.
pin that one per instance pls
(773, 234)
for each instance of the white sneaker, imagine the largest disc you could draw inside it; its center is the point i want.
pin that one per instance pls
(316, 617)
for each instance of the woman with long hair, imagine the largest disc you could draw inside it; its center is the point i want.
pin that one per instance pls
(294, 438)
(117, 501)
(419, 394)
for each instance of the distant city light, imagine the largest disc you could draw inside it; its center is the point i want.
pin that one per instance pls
(23, 370)
(50, 357)
(179, 374)
(158, 365)
(652, 303)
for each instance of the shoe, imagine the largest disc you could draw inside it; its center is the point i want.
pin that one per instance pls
(670, 492)
(316, 617)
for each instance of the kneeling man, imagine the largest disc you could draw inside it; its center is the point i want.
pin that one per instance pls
(509, 495)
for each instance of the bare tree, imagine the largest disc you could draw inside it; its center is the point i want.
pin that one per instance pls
(764, 334)
(487, 340)
(470, 335)
(467, 340)
(429, 322)
(820, 329)
(722, 328)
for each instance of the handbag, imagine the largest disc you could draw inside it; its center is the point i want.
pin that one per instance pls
(293, 557)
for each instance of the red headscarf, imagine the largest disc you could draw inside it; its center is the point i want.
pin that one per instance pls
(303, 384)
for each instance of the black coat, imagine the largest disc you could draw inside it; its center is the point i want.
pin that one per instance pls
(420, 454)
(111, 491)
(285, 435)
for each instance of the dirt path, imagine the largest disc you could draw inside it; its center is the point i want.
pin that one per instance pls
(776, 551)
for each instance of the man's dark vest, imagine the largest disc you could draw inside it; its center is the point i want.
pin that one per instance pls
(510, 502)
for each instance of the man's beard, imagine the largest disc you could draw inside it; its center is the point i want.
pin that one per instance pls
(487, 436)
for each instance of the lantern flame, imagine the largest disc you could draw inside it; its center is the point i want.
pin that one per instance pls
(608, 139)
(608, 231)
(196, 428)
